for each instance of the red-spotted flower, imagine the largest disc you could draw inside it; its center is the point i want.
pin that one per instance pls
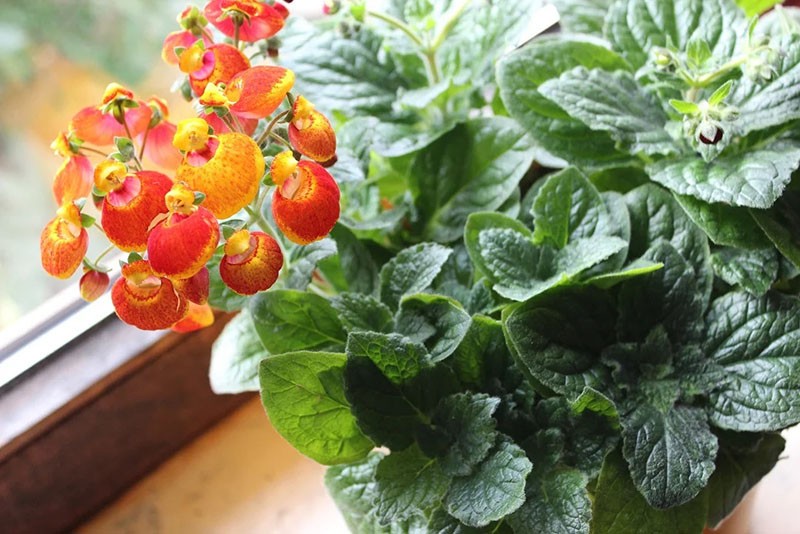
(305, 204)
(131, 203)
(63, 242)
(199, 316)
(100, 124)
(146, 300)
(257, 20)
(181, 243)
(226, 169)
(311, 133)
(217, 63)
(73, 180)
(196, 287)
(253, 93)
(251, 263)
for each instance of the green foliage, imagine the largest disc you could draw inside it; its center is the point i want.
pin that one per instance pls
(235, 356)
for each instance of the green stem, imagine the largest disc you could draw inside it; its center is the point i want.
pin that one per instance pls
(448, 26)
(128, 133)
(237, 23)
(400, 25)
(264, 224)
(94, 150)
(144, 142)
(103, 254)
(724, 69)
(431, 67)
(268, 130)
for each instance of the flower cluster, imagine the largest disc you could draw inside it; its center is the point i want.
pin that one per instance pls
(205, 170)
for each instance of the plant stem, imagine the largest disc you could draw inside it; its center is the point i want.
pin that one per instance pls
(237, 23)
(144, 142)
(128, 133)
(268, 130)
(94, 150)
(103, 254)
(264, 224)
(400, 25)
(448, 26)
(724, 69)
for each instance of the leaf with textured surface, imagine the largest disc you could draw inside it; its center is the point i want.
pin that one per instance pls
(519, 76)
(754, 179)
(612, 102)
(399, 358)
(438, 322)
(494, 490)
(304, 398)
(782, 225)
(357, 264)
(352, 486)
(557, 503)
(670, 455)
(411, 271)
(305, 261)
(288, 320)
(407, 483)
(753, 270)
(467, 419)
(619, 507)
(475, 167)
(362, 312)
(235, 356)
(582, 16)
(723, 224)
(757, 341)
(482, 353)
(635, 27)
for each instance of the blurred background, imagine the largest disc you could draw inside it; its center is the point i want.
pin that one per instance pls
(56, 57)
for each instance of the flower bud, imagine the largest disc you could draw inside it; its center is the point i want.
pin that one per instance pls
(709, 132)
(63, 242)
(93, 284)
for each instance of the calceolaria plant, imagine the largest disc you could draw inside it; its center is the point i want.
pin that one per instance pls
(544, 287)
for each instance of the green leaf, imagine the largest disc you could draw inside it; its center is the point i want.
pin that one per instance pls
(357, 264)
(568, 207)
(781, 225)
(765, 104)
(655, 216)
(724, 225)
(612, 102)
(407, 483)
(395, 139)
(670, 455)
(635, 27)
(753, 179)
(557, 503)
(398, 358)
(557, 338)
(235, 357)
(720, 94)
(362, 312)
(304, 398)
(582, 16)
(305, 260)
(519, 76)
(352, 487)
(742, 461)
(481, 221)
(636, 268)
(482, 354)
(756, 7)
(594, 401)
(757, 341)
(494, 490)
(685, 108)
(698, 53)
(619, 507)
(754, 270)
(467, 420)
(220, 296)
(289, 320)
(438, 322)
(475, 167)
(667, 297)
(411, 271)
(348, 74)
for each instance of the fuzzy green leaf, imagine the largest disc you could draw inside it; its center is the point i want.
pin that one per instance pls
(582, 16)
(556, 503)
(357, 264)
(438, 322)
(753, 270)
(398, 358)
(723, 224)
(304, 398)
(362, 312)
(467, 420)
(235, 357)
(411, 271)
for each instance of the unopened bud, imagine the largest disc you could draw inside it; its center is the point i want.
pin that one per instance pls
(709, 132)
(93, 284)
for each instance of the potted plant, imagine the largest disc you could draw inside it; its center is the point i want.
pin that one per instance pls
(560, 295)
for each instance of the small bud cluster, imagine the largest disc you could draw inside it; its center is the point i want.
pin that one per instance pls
(165, 192)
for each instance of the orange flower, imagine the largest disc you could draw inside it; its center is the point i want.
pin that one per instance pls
(259, 20)
(217, 64)
(182, 242)
(251, 262)
(258, 91)
(145, 300)
(181, 39)
(73, 179)
(159, 148)
(195, 288)
(97, 124)
(229, 177)
(93, 284)
(199, 316)
(63, 242)
(132, 202)
(311, 133)
(305, 204)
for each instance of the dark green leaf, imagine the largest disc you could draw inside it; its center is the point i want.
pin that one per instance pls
(612, 102)
(304, 398)
(475, 167)
(754, 179)
(670, 455)
(398, 358)
(467, 420)
(725, 225)
(407, 483)
(782, 225)
(411, 271)
(557, 503)
(753, 270)
(594, 401)
(305, 260)
(482, 353)
(235, 356)
(632, 270)
(436, 321)
(289, 320)
(362, 312)
(618, 506)
(742, 461)
(519, 76)
(352, 486)
(494, 490)
(582, 16)
(757, 341)
(358, 266)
